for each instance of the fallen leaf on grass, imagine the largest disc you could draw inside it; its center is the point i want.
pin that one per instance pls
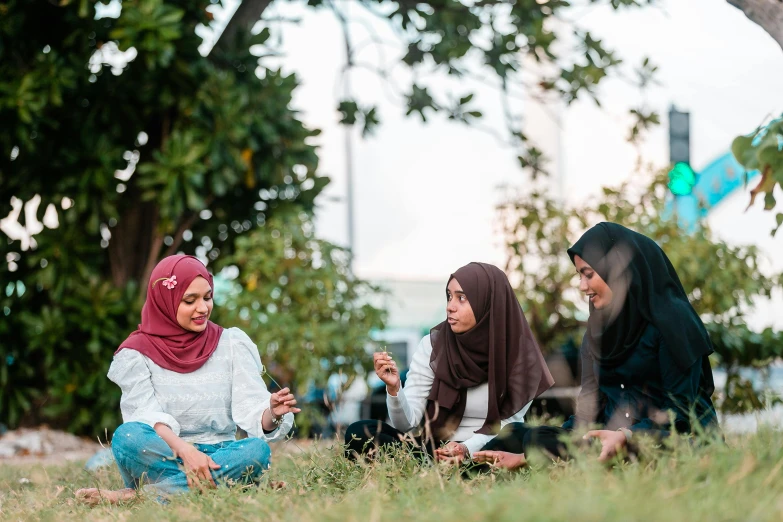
(705, 462)
(773, 473)
(675, 492)
(745, 469)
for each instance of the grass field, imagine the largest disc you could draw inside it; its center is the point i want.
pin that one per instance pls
(741, 480)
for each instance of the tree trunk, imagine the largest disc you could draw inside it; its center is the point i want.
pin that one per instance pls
(132, 242)
(768, 14)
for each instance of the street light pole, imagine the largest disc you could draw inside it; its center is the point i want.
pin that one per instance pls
(348, 138)
(349, 189)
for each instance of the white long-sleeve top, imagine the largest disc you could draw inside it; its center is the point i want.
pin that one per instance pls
(406, 409)
(204, 406)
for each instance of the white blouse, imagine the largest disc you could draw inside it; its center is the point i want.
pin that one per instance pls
(204, 406)
(406, 409)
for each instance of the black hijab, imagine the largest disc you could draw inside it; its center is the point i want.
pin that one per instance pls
(499, 350)
(646, 290)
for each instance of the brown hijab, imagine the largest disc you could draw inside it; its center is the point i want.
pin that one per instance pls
(499, 350)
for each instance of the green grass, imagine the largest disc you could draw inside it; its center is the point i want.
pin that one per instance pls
(741, 480)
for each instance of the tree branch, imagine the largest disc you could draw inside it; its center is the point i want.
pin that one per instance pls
(768, 14)
(177, 237)
(185, 224)
(152, 260)
(245, 17)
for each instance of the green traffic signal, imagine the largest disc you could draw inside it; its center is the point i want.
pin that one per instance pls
(682, 179)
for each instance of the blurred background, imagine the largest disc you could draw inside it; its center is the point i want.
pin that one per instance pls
(333, 161)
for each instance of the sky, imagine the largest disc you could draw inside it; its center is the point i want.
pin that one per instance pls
(425, 193)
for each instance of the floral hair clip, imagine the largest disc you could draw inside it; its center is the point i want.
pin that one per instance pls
(168, 282)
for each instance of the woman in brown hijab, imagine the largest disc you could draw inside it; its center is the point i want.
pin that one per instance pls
(475, 372)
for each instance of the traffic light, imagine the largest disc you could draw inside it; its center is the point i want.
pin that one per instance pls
(679, 137)
(682, 177)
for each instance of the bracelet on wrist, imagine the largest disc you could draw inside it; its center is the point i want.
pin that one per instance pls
(274, 418)
(465, 451)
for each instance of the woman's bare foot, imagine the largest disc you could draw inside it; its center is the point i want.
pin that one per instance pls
(93, 496)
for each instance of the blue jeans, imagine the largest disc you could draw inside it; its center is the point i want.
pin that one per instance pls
(145, 460)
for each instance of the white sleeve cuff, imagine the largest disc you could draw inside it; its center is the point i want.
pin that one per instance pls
(476, 442)
(399, 411)
(396, 402)
(278, 433)
(397, 407)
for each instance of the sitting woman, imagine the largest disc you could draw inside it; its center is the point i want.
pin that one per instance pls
(477, 371)
(186, 385)
(644, 354)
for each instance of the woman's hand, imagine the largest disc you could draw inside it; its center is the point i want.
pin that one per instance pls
(386, 370)
(198, 467)
(280, 403)
(612, 442)
(501, 459)
(453, 453)
(283, 402)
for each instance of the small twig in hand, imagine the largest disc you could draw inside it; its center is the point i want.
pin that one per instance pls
(388, 370)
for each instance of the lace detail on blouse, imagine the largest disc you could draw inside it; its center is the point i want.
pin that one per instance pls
(206, 405)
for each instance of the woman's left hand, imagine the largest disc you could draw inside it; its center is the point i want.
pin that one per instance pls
(501, 459)
(453, 453)
(612, 442)
(283, 402)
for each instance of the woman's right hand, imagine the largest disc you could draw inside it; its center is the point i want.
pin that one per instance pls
(386, 370)
(198, 467)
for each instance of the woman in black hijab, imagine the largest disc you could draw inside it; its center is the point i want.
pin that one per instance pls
(475, 372)
(644, 354)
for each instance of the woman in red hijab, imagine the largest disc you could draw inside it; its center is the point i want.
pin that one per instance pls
(187, 384)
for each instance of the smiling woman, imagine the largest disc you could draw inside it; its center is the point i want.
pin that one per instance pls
(645, 366)
(598, 293)
(196, 306)
(187, 384)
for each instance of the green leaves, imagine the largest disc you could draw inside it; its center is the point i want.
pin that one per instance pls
(419, 100)
(175, 178)
(763, 150)
(646, 73)
(779, 220)
(736, 346)
(152, 27)
(742, 149)
(371, 121)
(453, 36)
(221, 153)
(643, 121)
(461, 112)
(351, 114)
(535, 161)
(349, 110)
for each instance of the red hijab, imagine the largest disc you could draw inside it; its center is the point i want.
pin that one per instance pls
(160, 337)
